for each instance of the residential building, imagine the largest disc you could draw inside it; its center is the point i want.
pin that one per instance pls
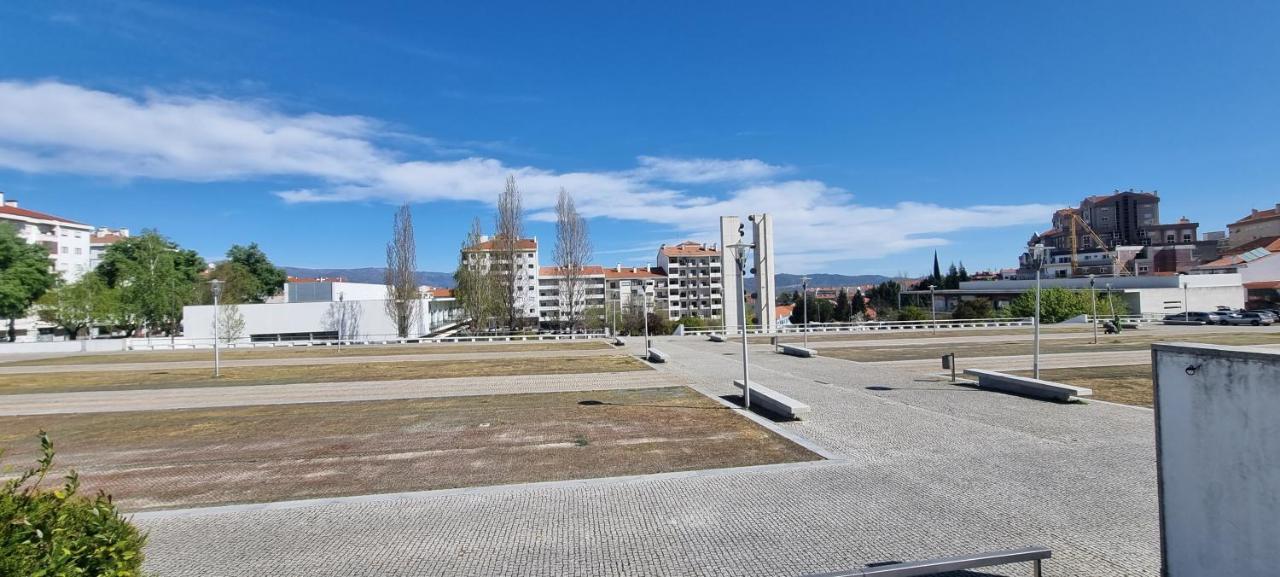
(1116, 234)
(694, 280)
(555, 305)
(66, 240)
(1257, 225)
(493, 255)
(102, 238)
(1258, 264)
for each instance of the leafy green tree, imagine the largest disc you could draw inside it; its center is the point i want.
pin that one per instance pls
(25, 275)
(238, 284)
(1059, 304)
(858, 304)
(884, 296)
(267, 279)
(156, 279)
(826, 311)
(77, 306)
(979, 308)
(844, 310)
(912, 313)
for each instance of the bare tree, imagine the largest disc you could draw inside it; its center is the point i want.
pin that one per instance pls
(401, 275)
(573, 251)
(474, 283)
(507, 242)
(230, 323)
(343, 318)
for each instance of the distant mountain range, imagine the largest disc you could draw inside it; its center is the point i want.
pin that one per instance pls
(791, 282)
(787, 282)
(369, 275)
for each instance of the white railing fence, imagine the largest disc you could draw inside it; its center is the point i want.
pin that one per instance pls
(866, 326)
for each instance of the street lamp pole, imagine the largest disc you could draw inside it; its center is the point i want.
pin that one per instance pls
(1093, 298)
(342, 321)
(741, 258)
(1038, 257)
(215, 287)
(1186, 311)
(804, 286)
(933, 309)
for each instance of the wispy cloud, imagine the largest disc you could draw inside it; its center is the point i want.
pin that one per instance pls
(55, 127)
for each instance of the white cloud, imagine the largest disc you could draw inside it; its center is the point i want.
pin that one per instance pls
(48, 127)
(704, 170)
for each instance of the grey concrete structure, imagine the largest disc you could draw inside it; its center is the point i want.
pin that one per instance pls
(773, 402)
(766, 267)
(922, 469)
(732, 290)
(1027, 386)
(1219, 443)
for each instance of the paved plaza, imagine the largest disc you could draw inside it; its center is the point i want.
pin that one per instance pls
(919, 468)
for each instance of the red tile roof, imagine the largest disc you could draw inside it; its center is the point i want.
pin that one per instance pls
(15, 211)
(1260, 215)
(783, 311)
(689, 248)
(589, 270)
(1271, 243)
(441, 293)
(1262, 284)
(106, 239)
(493, 244)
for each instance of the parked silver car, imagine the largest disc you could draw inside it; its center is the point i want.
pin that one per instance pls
(1247, 318)
(1193, 318)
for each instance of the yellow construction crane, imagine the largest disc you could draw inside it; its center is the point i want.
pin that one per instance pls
(1117, 267)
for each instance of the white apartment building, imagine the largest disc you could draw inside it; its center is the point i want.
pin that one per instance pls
(101, 239)
(66, 240)
(694, 280)
(554, 302)
(490, 255)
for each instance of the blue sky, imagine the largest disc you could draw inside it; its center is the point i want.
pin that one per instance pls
(875, 132)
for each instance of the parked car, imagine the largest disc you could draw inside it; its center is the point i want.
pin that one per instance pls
(1247, 318)
(1193, 317)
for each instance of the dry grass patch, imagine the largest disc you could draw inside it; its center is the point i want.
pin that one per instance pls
(942, 334)
(1126, 384)
(164, 459)
(310, 352)
(1127, 341)
(275, 375)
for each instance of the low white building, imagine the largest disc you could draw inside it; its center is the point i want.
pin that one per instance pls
(1146, 295)
(317, 320)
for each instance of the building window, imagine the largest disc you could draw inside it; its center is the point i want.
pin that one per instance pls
(1186, 237)
(78, 250)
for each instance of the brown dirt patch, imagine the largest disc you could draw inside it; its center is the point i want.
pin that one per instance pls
(1126, 384)
(310, 352)
(165, 459)
(276, 375)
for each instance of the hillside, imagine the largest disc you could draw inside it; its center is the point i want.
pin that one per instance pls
(369, 275)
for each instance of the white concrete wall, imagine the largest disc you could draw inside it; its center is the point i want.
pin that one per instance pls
(1218, 448)
(732, 292)
(1170, 300)
(363, 319)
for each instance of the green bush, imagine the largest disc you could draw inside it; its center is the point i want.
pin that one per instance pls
(979, 308)
(58, 533)
(912, 313)
(1059, 304)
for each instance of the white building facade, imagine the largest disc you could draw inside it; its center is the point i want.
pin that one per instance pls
(695, 280)
(492, 255)
(66, 240)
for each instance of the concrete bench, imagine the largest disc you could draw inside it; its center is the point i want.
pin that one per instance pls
(1027, 386)
(656, 356)
(619, 342)
(797, 351)
(716, 338)
(1033, 555)
(774, 402)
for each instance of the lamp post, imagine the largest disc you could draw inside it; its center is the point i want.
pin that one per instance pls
(741, 258)
(804, 286)
(1186, 311)
(933, 309)
(644, 301)
(1093, 298)
(215, 287)
(1038, 259)
(342, 321)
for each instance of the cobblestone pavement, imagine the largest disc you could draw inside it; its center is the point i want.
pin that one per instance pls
(1024, 362)
(925, 469)
(238, 396)
(302, 361)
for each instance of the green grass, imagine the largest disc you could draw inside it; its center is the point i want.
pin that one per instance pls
(1125, 384)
